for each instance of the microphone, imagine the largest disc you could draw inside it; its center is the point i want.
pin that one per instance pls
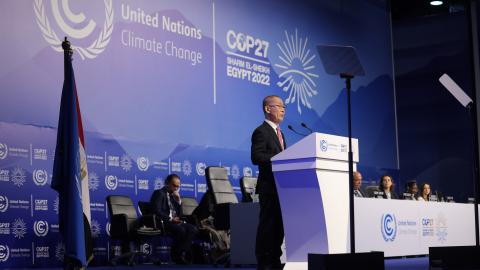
(305, 126)
(296, 132)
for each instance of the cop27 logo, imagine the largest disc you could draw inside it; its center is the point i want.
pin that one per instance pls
(72, 28)
(389, 227)
(4, 253)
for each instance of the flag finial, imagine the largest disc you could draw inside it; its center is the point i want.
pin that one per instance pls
(67, 48)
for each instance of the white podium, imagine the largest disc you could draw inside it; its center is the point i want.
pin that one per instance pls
(312, 184)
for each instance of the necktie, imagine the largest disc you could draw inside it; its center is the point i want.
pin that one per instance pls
(280, 138)
(173, 213)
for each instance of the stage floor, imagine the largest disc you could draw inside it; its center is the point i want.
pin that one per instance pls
(420, 263)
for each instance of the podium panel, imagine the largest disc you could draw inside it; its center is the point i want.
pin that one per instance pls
(312, 184)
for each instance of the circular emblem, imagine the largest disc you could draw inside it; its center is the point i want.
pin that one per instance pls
(3, 151)
(146, 249)
(40, 228)
(95, 48)
(389, 227)
(4, 253)
(143, 163)
(3, 203)
(107, 228)
(323, 145)
(247, 171)
(40, 177)
(111, 182)
(200, 168)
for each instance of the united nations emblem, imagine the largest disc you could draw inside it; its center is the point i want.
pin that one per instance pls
(49, 34)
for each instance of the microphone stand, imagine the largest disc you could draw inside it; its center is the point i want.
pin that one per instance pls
(471, 109)
(296, 132)
(348, 78)
(305, 126)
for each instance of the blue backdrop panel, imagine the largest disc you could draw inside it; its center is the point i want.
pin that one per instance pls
(173, 87)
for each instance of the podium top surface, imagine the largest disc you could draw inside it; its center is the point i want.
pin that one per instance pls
(319, 145)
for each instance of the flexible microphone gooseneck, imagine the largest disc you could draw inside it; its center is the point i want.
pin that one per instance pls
(296, 132)
(305, 126)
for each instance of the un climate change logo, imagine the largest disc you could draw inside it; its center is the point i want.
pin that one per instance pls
(40, 228)
(389, 227)
(95, 48)
(111, 182)
(3, 151)
(40, 177)
(4, 253)
(3, 203)
(143, 163)
(323, 145)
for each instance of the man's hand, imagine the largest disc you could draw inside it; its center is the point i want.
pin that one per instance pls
(176, 220)
(176, 196)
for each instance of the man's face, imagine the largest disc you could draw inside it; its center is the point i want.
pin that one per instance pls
(414, 189)
(174, 185)
(275, 110)
(357, 180)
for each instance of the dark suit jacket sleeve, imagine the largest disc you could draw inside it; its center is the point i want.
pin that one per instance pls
(259, 153)
(159, 205)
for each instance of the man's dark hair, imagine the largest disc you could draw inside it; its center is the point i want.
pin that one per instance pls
(265, 101)
(170, 177)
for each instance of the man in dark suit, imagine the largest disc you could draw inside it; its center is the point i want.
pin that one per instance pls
(357, 185)
(166, 204)
(267, 141)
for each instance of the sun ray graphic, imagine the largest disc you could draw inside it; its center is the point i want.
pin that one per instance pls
(296, 70)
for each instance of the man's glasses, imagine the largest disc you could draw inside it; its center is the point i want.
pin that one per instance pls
(278, 106)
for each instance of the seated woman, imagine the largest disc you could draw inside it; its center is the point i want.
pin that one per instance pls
(386, 186)
(424, 194)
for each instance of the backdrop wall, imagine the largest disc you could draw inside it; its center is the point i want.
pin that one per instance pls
(173, 87)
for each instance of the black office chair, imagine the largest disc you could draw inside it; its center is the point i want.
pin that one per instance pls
(222, 195)
(248, 185)
(218, 183)
(127, 227)
(373, 192)
(189, 204)
(146, 211)
(215, 203)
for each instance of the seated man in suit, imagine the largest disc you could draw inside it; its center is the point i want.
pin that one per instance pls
(166, 204)
(357, 185)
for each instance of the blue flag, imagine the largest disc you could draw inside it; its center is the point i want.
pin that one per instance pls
(70, 174)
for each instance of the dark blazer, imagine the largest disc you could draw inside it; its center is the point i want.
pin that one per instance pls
(265, 145)
(392, 194)
(159, 204)
(364, 195)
